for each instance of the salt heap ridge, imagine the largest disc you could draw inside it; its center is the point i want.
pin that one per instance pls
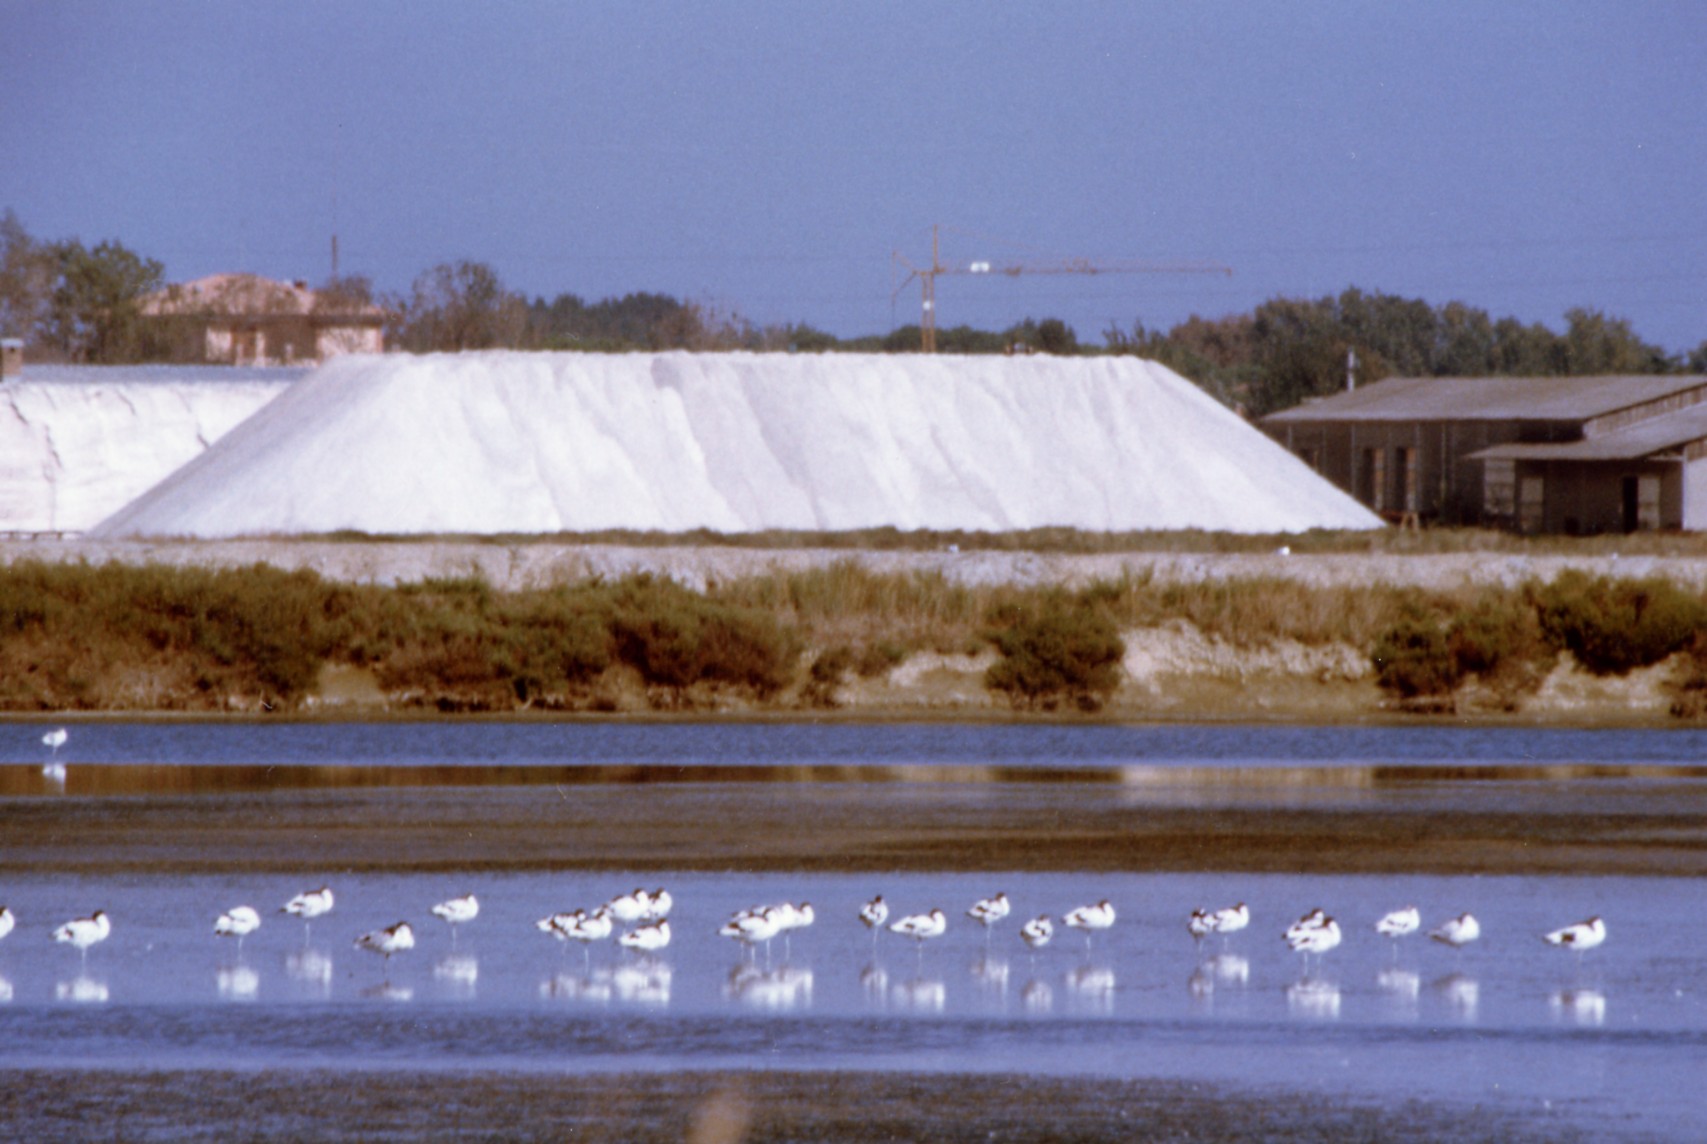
(539, 443)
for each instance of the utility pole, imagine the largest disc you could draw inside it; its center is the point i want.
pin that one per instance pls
(927, 276)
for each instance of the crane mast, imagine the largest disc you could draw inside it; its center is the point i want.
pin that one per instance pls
(927, 276)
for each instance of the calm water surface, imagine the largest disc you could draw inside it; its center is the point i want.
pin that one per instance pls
(1614, 1042)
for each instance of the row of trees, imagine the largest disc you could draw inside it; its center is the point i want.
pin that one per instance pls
(83, 304)
(1291, 349)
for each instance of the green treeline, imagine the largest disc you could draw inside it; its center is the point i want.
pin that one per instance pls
(116, 637)
(74, 303)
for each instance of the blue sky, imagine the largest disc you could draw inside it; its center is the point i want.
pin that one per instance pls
(768, 157)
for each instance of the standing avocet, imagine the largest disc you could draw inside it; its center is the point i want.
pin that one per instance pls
(1457, 932)
(1089, 919)
(647, 938)
(874, 913)
(238, 922)
(988, 911)
(457, 911)
(85, 932)
(1038, 931)
(309, 905)
(921, 927)
(8, 921)
(1582, 936)
(1400, 923)
(385, 942)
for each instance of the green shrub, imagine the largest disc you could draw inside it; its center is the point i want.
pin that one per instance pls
(1414, 658)
(1614, 626)
(1066, 651)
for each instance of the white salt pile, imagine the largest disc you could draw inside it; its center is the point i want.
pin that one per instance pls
(78, 443)
(536, 443)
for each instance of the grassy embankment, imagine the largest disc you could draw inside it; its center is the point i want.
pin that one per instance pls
(115, 637)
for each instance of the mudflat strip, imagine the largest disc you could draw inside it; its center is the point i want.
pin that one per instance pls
(861, 826)
(710, 1107)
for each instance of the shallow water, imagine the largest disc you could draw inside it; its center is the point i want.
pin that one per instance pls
(1615, 1037)
(1613, 1042)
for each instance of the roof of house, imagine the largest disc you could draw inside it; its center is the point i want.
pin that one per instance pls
(1643, 439)
(251, 295)
(1491, 398)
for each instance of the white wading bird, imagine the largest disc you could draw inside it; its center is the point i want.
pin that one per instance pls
(238, 922)
(1230, 919)
(1457, 932)
(8, 921)
(874, 913)
(1038, 931)
(85, 932)
(1317, 939)
(309, 905)
(1090, 919)
(921, 927)
(392, 939)
(647, 938)
(1582, 936)
(988, 911)
(1400, 923)
(456, 911)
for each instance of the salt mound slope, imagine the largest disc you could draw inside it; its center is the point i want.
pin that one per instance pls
(531, 443)
(78, 444)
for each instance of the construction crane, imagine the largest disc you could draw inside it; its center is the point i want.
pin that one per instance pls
(927, 276)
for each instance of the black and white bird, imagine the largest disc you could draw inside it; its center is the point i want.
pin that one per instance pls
(1230, 919)
(874, 913)
(1315, 939)
(308, 905)
(753, 927)
(1400, 923)
(1457, 932)
(1090, 919)
(457, 911)
(921, 927)
(988, 911)
(1582, 936)
(385, 942)
(238, 922)
(1200, 924)
(85, 932)
(647, 938)
(55, 739)
(8, 921)
(1038, 931)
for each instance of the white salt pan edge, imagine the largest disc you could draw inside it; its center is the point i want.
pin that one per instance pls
(537, 443)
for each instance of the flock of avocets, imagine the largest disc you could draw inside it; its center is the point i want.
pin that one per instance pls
(640, 922)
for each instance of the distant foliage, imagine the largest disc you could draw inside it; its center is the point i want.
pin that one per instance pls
(1615, 626)
(1066, 651)
(1290, 349)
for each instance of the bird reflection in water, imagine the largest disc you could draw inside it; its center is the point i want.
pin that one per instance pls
(1462, 994)
(5, 991)
(778, 990)
(991, 976)
(1037, 996)
(1401, 987)
(388, 991)
(642, 981)
(1314, 998)
(237, 983)
(1223, 970)
(874, 980)
(920, 995)
(458, 973)
(1091, 987)
(1584, 1007)
(82, 990)
(311, 967)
